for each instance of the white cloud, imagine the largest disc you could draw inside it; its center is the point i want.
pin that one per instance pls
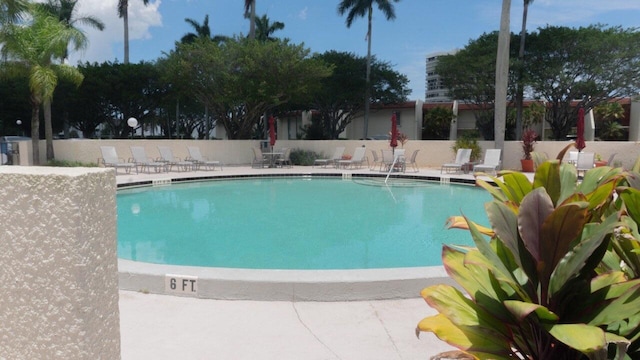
(101, 43)
(302, 15)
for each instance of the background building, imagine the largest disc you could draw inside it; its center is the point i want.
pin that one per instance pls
(435, 90)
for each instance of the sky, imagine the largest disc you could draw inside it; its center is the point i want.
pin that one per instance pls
(421, 27)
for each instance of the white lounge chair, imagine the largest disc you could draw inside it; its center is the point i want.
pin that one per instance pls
(491, 162)
(198, 161)
(586, 162)
(284, 159)
(110, 159)
(412, 161)
(357, 159)
(142, 161)
(337, 156)
(463, 156)
(166, 156)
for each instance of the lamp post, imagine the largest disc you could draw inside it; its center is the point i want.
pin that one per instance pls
(19, 123)
(132, 122)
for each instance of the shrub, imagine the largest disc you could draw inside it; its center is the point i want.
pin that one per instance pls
(469, 141)
(304, 157)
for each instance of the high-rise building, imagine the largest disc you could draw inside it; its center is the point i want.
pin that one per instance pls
(434, 88)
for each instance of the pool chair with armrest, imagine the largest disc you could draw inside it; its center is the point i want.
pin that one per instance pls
(199, 161)
(337, 156)
(285, 158)
(259, 159)
(411, 161)
(356, 160)
(463, 156)
(491, 162)
(166, 156)
(377, 161)
(110, 159)
(142, 161)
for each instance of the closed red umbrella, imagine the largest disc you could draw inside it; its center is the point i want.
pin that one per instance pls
(394, 131)
(272, 132)
(580, 131)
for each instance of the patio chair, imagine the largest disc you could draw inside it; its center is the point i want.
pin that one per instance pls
(337, 156)
(284, 159)
(377, 161)
(491, 162)
(142, 161)
(610, 160)
(166, 156)
(462, 158)
(198, 161)
(586, 162)
(259, 160)
(357, 159)
(387, 160)
(110, 159)
(573, 157)
(412, 161)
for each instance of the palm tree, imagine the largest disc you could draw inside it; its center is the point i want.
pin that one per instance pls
(35, 46)
(250, 13)
(519, 84)
(123, 12)
(201, 32)
(360, 8)
(502, 75)
(65, 11)
(264, 28)
(12, 10)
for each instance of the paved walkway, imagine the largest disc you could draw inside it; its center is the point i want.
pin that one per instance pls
(170, 327)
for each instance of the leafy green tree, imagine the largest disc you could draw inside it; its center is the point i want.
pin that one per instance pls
(241, 80)
(359, 8)
(123, 12)
(264, 28)
(338, 99)
(14, 99)
(607, 120)
(12, 10)
(36, 44)
(590, 64)
(436, 123)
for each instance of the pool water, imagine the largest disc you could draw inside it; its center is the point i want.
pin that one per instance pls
(293, 223)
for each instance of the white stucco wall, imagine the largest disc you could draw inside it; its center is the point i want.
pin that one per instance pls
(59, 297)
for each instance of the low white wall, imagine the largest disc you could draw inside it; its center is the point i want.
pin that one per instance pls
(59, 263)
(432, 153)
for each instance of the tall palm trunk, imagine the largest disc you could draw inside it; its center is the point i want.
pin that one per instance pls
(519, 84)
(35, 130)
(252, 26)
(48, 128)
(367, 90)
(502, 76)
(125, 18)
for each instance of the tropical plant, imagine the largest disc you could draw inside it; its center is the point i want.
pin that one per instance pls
(529, 138)
(202, 31)
(553, 279)
(12, 10)
(436, 123)
(264, 28)
(469, 140)
(36, 44)
(123, 12)
(607, 117)
(360, 8)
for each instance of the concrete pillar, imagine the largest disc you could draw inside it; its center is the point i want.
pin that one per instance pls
(453, 130)
(634, 121)
(59, 264)
(589, 126)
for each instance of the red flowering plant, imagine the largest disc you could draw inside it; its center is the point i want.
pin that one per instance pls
(528, 142)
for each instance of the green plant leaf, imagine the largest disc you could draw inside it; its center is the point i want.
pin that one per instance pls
(574, 260)
(568, 181)
(497, 194)
(517, 186)
(631, 198)
(521, 310)
(584, 338)
(505, 224)
(619, 308)
(535, 208)
(604, 280)
(459, 309)
(548, 176)
(467, 338)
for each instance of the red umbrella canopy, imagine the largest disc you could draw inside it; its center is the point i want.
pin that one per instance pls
(580, 130)
(394, 131)
(272, 131)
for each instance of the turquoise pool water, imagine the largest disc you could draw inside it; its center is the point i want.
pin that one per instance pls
(294, 223)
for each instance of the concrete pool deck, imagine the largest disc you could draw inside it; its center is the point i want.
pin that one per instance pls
(172, 327)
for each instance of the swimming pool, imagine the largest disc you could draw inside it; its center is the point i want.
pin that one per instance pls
(294, 223)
